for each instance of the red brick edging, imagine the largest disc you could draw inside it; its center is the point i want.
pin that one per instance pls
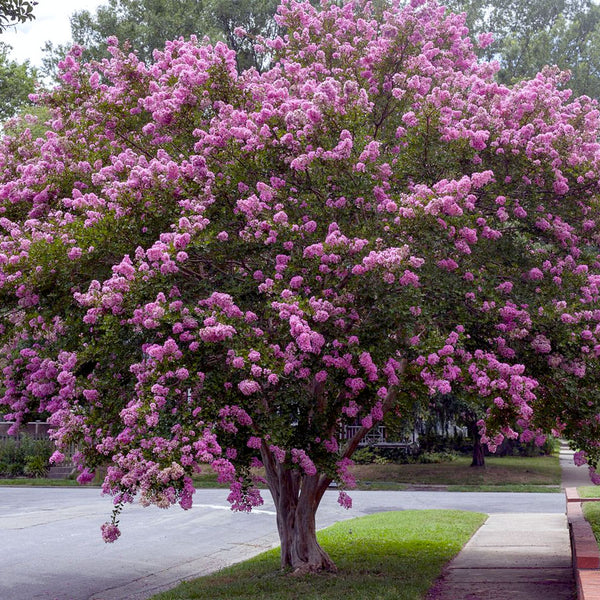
(584, 548)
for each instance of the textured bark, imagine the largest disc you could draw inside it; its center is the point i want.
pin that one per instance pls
(478, 456)
(297, 498)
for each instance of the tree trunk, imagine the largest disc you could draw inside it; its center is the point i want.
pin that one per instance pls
(478, 456)
(297, 498)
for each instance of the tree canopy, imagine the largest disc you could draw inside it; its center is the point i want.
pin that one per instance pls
(530, 35)
(527, 35)
(201, 266)
(17, 82)
(15, 11)
(147, 24)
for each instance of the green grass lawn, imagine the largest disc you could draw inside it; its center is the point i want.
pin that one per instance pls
(385, 556)
(509, 473)
(40, 482)
(591, 510)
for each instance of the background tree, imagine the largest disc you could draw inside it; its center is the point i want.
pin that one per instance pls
(17, 82)
(15, 11)
(200, 266)
(33, 121)
(147, 24)
(446, 412)
(256, 18)
(530, 35)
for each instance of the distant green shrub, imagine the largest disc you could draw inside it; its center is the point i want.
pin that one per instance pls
(436, 457)
(364, 456)
(25, 457)
(517, 448)
(369, 456)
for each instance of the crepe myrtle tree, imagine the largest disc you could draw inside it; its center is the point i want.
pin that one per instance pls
(202, 268)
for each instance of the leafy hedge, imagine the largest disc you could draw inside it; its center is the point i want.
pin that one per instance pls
(25, 457)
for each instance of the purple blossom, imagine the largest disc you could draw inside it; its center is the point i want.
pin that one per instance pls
(248, 387)
(110, 532)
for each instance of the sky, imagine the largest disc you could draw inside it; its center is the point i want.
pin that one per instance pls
(51, 23)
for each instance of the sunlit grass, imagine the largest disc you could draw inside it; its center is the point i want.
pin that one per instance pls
(521, 488)
(591, 510)
(498, 472)
(385, 556)
(501, 474)
(41, 482)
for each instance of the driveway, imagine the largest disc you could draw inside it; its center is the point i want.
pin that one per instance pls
(51, 547)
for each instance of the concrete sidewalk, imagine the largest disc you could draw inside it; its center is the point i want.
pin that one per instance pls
(571, 474)
(516, 556)
(512, 557)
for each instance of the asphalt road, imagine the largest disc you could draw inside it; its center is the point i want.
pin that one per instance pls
(51, 548)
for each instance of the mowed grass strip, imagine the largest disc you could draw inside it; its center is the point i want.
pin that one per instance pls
(499, 471)
(510, 473)
(591, 510)
(385, 556)
(40, 482)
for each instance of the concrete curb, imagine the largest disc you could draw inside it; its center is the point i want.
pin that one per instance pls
(584, 548)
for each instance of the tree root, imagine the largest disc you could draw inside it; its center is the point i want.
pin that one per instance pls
(308, 569)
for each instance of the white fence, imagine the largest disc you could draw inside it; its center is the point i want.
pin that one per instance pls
(375, 436)
(378, 437)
